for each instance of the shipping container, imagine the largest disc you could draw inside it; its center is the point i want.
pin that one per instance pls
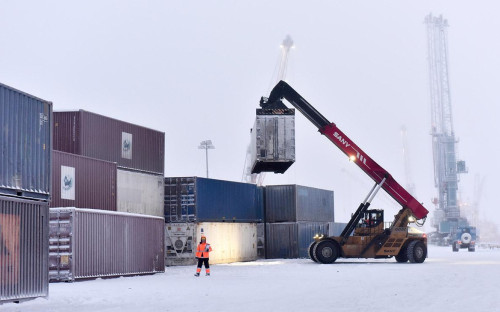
(24, 249)
(193, 199)
(336, 228)
(25, 144)
(290, 240)
(230, 242)
(83, 182)
(294, 203)
(89, 243)
(273, 142)
(261, 240)
(140, 193)
(92, 135)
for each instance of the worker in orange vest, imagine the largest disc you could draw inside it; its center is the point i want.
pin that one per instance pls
(202, 254)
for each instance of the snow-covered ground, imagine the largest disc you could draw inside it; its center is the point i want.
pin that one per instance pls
(446, 281)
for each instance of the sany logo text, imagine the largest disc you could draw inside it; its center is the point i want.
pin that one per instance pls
(341, 139)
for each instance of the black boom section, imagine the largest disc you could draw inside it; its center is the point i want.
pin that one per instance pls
(283, 90)
(354, 221)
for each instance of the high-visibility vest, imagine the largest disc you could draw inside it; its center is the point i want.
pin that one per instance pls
(203, 250)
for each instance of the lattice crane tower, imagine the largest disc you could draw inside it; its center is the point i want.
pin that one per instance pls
(446, 168)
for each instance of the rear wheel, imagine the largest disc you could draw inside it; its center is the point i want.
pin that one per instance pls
(454, 247)
(310, 251)
(326, 251)
(472, 249)
(402, 257)
(416, 252)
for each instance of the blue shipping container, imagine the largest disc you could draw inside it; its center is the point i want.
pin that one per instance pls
(291, 240)
(194, 199)
(296, 203)
(25, 144)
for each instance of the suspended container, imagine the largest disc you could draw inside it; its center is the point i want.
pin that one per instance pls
(294, 203)
(24, 249)
(25, 144)
(89, 243)
(291, 240)
(92, 135)
(140, 192)
(273, 140)
(83, 182)
(230, 242)
(194, 199)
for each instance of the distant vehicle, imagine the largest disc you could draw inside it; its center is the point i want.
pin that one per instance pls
(465, 238)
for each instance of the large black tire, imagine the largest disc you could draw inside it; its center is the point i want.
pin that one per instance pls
(310, 251)
(402, 256)
(454, 247)
(472, 249)
(416, 251)
(326, 251)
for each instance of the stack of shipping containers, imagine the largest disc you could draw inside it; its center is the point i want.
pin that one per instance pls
(116, 169)
(135, 184)
(294, 215)
(25, 161)
(226, 212)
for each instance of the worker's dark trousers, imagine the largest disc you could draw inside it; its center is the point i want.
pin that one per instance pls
(204, 261)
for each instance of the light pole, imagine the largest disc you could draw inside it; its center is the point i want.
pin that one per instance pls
(206, 145)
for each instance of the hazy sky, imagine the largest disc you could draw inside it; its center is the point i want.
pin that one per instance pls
(196, 70)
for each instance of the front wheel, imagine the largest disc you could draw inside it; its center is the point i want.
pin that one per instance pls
(416, 252)
(326, 251)
(310, 251)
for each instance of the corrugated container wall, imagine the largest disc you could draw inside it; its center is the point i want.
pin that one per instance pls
(88, 243)
(25, 144)
(336, 228)
(24, 241)
(231, 242)
(83, 182)
(273, 142)
(291, 240)
(192, 199)
(92, 135)
(140, 193)
(293, 203)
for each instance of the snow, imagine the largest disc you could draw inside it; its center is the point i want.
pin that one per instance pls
(446, 281)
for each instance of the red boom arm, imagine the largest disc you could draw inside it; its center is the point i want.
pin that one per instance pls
(374, 170)
(356, 154)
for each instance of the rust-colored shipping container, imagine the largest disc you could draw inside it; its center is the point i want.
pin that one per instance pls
(24, 239)
(90, 243)
(96, 136)
(83, 182)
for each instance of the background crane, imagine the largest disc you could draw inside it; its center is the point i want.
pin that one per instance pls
(447, 217)
(410, 186)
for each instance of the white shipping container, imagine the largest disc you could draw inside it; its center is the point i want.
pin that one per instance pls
(273, 143)
(230, 242)
(140, 193)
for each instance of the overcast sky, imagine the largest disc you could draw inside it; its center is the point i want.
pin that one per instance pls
(196, 70)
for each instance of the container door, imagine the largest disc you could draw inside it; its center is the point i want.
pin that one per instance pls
(60, 245)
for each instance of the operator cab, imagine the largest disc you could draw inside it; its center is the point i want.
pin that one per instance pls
(371, 219)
